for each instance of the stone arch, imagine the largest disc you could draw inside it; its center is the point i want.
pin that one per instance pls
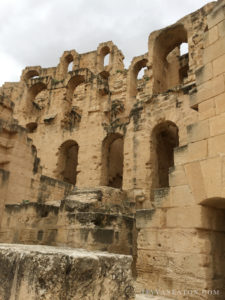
(104, 61)
(112, 160)
(72, 84)
(69, 58)
(135, 68)
(216, 202)
(164, 139)
(68, 162)
(169, 68)
(67, 61)
(30, 74)
(32, 94)
(105, 50)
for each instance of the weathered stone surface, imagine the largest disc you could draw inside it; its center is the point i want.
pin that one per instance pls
(145, 154)
(41, 272)
(85, 219)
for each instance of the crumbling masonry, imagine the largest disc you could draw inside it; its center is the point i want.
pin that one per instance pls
(94, 157)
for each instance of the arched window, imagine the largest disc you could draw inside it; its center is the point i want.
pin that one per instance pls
(36, 96)
(68, 161)
(105, 56)
(72, 84)
(141, 73)
(137, 74)
(170, 66)
(183, 62)
(106, 60)
(31, 74)
(68, 63)
(164, 139)
(70, 67)
(112, 161)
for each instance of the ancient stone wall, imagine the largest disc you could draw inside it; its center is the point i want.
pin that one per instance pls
(181, 239)
(159, 138)
(85, 219)
(72, 110)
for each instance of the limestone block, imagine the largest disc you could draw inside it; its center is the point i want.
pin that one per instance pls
(206, 109)
(210, 89)
(217, 15)
(204, 73)
(181, 196)
(147, 239)
(197, 150)
(161, 197)
(221, 28)
(212, 166)
(191, 218)
(150, 218)
(192, 240)
(63, 273)
(198, 131)
(192, 263)
(196, 182)
(180, 155)
(182, 240)
(219, 65)
(154, 258)
(215, 50)
(177, 176)
(220, 103)
(164, 240)
(216, 145)
(212, 35)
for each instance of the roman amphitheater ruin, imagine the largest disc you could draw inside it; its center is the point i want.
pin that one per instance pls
(112, 185)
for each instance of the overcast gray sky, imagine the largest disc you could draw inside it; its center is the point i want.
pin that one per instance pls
(36, 32)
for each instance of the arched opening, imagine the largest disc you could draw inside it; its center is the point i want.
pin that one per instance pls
(72, 84)
(70, 67)
(106, 60)
(36, 96)
(68, 161)
(183, 49)
(105, 56)
(213, 233)
(137, 76)
(141, 73)
(183, 62)
(68, 63)
(112, 161)
(170, 63)
(164, 139)
(31, 74)
(104, 74)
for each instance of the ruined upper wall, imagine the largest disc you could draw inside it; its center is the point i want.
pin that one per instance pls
(87, 106)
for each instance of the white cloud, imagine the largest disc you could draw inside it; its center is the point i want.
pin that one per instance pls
(10, 69)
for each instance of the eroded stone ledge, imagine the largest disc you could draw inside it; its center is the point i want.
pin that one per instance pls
(43, 272)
